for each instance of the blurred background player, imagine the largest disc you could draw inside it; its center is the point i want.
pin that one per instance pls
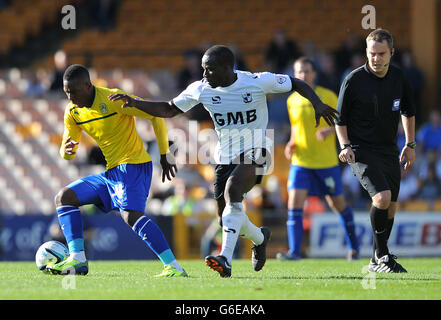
(237, 104)
(124, 186)
(314, 164)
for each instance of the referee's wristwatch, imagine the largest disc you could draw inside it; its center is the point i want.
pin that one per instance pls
(345, 146)
(411, 145)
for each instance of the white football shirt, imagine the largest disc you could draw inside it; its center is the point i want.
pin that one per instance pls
(239, 111)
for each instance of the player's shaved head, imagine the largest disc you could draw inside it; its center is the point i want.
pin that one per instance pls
(77, 85)
(218, 64)
(76, 72)
(222, 55)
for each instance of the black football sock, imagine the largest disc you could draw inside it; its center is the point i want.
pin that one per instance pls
(390, 223)
(379, 228)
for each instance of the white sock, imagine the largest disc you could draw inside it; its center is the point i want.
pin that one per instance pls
(79, 256)
(232, 219)
(250, 231)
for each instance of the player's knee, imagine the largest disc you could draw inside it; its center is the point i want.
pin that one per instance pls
(382, 200)
(66, 197)
(337, 204)
(130, 217)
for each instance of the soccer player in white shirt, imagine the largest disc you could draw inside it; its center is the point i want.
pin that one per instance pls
(236, 101)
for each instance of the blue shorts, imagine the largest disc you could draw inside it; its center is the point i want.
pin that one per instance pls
(124, 187)
(318, 182)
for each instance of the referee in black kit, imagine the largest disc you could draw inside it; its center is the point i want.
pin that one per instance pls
(371, 100)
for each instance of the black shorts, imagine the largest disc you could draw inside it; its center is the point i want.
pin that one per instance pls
(224, 171)
(377, 172)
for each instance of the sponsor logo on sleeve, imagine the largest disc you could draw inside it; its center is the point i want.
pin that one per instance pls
(280, 79)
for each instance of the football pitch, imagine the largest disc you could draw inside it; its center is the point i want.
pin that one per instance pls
(309, 279)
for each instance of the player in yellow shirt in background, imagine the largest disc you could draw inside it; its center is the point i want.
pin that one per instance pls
(125, 184)
(314, 164)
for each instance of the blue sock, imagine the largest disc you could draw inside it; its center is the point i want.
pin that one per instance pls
(71, 224)
(294, 226)
(347, 221)
(154, 238)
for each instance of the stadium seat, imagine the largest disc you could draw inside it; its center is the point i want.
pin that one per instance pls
(417, 205)
(437, 205)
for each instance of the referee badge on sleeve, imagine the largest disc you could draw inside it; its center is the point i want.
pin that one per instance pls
(396, 105)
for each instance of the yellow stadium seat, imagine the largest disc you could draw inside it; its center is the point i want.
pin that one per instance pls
(417, 205)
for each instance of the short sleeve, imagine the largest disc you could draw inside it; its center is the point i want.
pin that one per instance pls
(189, 98)
(274, 83)
(407, 102)
(343, 103)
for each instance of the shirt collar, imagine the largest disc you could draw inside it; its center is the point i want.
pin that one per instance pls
(366, 68)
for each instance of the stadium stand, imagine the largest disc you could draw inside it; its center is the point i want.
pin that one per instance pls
(26, 18)
(153, 25)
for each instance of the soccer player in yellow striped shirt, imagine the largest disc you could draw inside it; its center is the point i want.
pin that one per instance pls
(314, 164)
(125, 184)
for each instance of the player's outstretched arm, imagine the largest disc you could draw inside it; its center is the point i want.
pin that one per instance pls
(321, 109)
(157, 109)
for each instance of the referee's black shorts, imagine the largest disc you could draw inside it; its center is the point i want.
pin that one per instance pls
(377, 172)
(224, 171)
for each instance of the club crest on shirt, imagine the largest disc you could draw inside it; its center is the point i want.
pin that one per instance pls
(247, 97)
(396, 105)
(103, 108)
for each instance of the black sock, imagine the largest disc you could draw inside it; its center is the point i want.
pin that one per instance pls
(379, 227)
(390, 223)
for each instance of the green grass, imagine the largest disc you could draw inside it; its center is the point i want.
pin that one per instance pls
(309, 279)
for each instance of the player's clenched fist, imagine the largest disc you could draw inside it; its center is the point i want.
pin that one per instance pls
(69, 145)
(347, 155)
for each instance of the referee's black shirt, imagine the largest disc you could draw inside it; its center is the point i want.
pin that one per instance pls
(370, 107)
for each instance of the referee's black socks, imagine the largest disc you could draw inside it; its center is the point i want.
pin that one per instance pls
(390, 223)
(380, 224)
